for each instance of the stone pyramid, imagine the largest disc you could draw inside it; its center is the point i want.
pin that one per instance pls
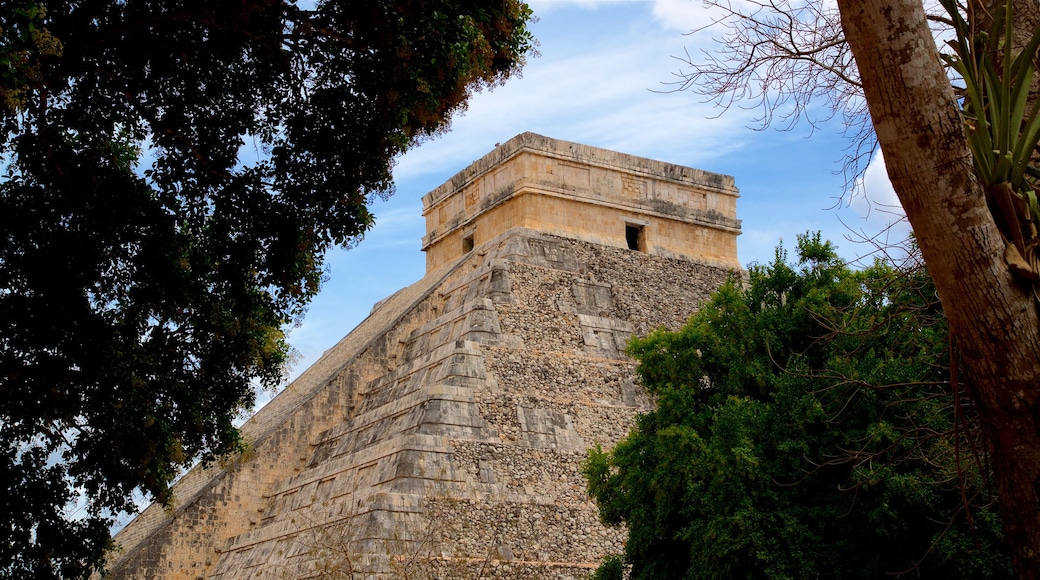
(444, 436)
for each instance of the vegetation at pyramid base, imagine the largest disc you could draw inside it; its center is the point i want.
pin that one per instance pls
(806, 427)
(173, 173)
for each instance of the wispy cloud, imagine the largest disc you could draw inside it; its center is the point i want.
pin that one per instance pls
(683, 15)
(544, 6)
(606, 90)
(874, 199)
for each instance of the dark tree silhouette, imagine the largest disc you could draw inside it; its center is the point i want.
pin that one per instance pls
(173, 173)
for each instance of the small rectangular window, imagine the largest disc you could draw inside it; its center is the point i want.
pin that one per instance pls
(634, 237)
(467, 243)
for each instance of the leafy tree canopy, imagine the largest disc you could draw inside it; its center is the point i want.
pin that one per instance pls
(806, 427)
(173, 173)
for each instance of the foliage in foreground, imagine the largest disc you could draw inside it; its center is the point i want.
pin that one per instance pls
(173, 174)
(804, 428)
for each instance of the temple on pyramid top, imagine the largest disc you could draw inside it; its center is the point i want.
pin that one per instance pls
(586, 193)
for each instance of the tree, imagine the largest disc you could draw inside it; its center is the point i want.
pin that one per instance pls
(804, 428)
(174, 173)
(992, 313)
(920, 125)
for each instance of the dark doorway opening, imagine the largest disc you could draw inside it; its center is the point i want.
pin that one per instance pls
(634, 237)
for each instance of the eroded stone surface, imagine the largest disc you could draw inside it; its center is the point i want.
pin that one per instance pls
(443, 437)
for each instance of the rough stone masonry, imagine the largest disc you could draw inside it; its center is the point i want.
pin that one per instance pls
(444, 436)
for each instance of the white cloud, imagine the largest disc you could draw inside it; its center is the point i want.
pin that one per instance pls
(682, 15)
(874, 192)
(696, 15)
(875, 202)
(542, 6)
(609, 92)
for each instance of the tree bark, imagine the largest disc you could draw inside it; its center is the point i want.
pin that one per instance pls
(994, 320)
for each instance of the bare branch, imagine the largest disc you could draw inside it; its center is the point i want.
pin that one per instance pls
(788, 60)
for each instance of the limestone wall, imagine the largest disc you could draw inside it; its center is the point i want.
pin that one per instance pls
(215, 503)
(584, 193)
(452, 443)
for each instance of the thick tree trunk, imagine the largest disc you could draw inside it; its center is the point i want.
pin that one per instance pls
(994, 320)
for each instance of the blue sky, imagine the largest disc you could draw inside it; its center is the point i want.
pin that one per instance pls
(600, 81)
